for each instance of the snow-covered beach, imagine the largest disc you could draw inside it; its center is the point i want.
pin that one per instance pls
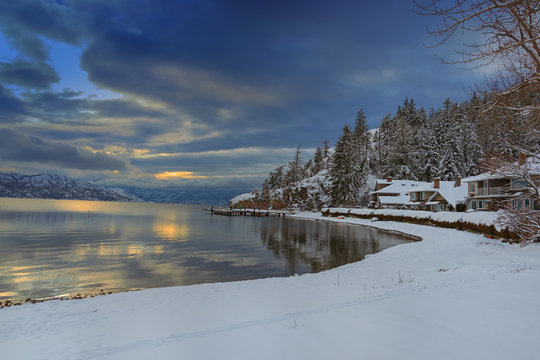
(453, 295)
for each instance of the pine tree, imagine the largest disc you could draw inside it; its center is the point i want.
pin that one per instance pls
(318, 160)
(295, 167)
(346, 179)
(360, 143)
(326, 154)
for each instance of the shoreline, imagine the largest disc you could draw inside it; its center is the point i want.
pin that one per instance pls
(79, 295)
(448, 296)
(304, 215)
(371, 224)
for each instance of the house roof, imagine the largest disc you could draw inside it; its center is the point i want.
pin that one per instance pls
(452, 194)
(394, 200)
(532, 165)
(398, 186)
(429, 187)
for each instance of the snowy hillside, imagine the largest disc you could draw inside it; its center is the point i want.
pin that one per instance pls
(49, 186)
(312, 193)
(309, 193)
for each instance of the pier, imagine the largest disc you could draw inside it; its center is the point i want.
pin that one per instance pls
(248, 212)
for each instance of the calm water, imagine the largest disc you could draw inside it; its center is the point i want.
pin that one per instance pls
(53, 247)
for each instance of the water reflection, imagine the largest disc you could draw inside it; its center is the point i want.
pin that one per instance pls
(317, 246)
(52, 247)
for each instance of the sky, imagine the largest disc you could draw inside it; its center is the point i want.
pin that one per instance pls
(203, 94)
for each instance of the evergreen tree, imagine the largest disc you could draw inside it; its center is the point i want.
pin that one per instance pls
(295, 167)
(326, 154)
(318, 160)
(346, 182)
(360, 144)
(307, 171)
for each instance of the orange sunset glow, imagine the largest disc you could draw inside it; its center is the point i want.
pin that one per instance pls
(167, 175)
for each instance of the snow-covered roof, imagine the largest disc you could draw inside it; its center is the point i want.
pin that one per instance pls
(398, 186)
(394, 200)
(532, 164)
(484, 176)
(452, 194)
(430, 187)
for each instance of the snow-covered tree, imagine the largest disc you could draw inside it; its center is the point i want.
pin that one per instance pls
(346, 177)
(318, 160)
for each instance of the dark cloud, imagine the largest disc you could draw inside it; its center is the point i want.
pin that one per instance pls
(66, 106)
(27, 74)
(27, 44)
(119, 108)
(202, 76)
(12, 109)
(51, 19)
(239, 162)
(15, 146)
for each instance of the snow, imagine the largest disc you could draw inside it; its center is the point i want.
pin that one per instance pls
(315, 188)
(532, 165)
(454, 295)
(400, 199)
(243, 197)
(447, 189)
(486, 218)
(453, 194)
(399, 186)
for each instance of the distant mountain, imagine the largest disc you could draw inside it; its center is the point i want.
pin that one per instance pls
(182, 196)
(49, 186)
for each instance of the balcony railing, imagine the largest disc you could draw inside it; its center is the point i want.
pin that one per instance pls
(498, 190)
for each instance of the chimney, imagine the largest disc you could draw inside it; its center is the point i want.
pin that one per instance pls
(388, 179)
(458, 182)
(522, 159)
(436, 183)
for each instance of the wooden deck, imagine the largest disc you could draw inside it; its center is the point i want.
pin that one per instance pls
(248, 212)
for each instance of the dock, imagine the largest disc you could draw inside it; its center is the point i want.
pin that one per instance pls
(248, 212)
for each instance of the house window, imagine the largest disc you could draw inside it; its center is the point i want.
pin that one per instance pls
(527, 203)
(517, 203)
(473, 188)
(422, 196)
(473, 205)
(519, 184)
(480, 204)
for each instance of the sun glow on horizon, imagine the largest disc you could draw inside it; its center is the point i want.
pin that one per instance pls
(167, 175)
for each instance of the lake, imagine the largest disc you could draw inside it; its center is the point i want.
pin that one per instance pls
(57, 247)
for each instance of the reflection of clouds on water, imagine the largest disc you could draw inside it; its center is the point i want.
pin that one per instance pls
(170, 230)
(124, 246)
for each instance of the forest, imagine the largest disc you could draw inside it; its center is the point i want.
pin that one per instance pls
(454, 141)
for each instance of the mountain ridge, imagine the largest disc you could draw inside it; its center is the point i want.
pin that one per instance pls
(54, 186)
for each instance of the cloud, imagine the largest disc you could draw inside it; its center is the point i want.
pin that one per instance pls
(24, 20)
(240, 162)
(191, 82)
(167, 175)
(12, 109)
(15, 146)
(27, 44)
(218, 89)
(27, 74)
